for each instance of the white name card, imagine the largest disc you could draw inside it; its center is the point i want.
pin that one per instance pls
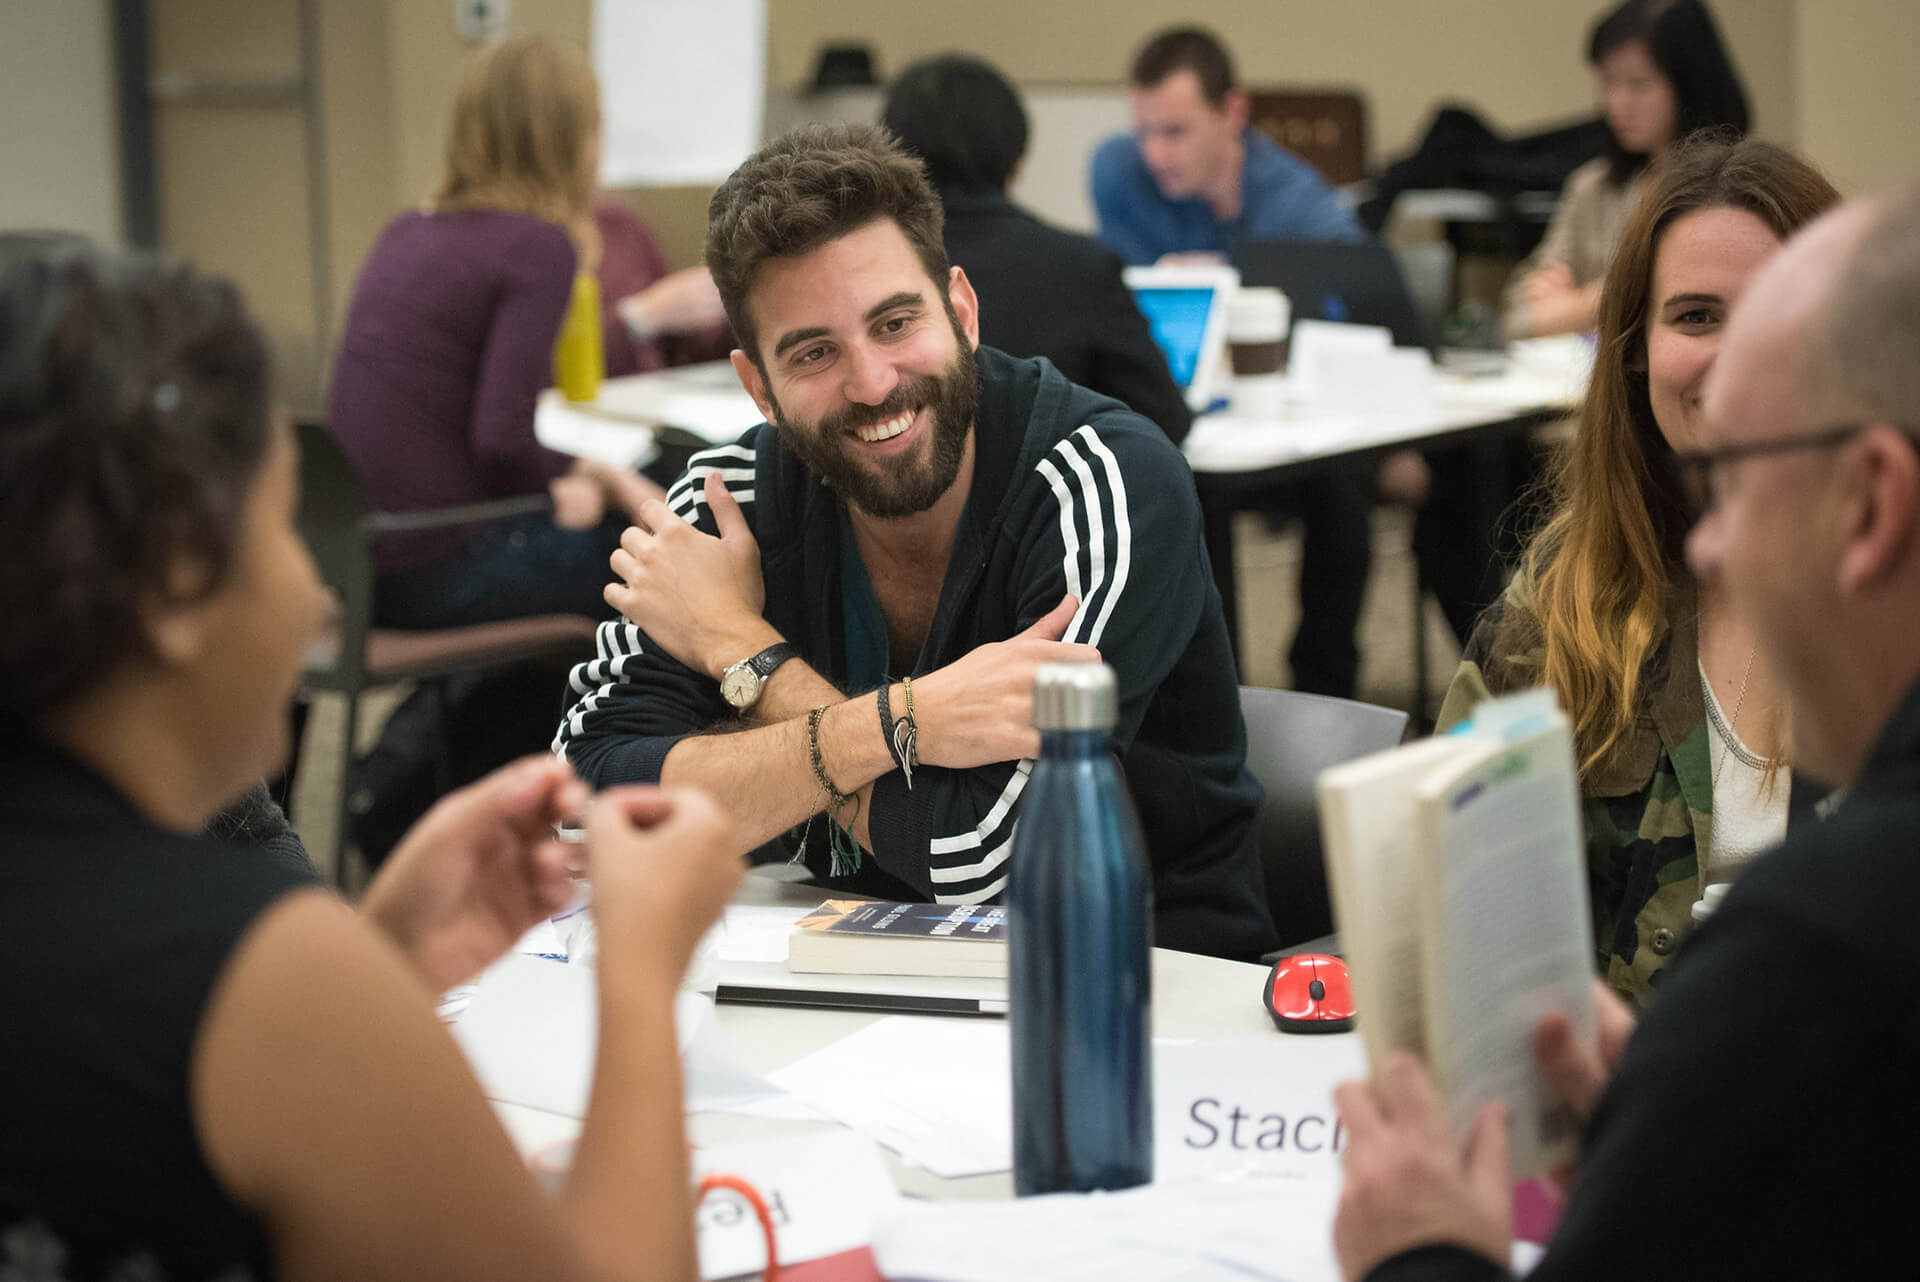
(824, 1192)
(1255, 1106)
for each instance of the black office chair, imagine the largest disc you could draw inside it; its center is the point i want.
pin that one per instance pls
(357, 656)
(1291, 738)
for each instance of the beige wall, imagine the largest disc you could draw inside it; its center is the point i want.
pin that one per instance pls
(1519, 61)
(233, 191)
(1860, 90)
(59, 152)
(424, 60)
(356, 113)
(1833, 76)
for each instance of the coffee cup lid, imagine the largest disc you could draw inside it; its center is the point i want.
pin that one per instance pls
(1257, 314)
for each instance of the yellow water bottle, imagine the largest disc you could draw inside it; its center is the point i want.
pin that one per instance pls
(579, 362)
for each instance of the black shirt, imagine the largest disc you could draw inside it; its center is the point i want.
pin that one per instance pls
(113, 934)
(1048, 292)
(1764, 1120)
(1071, 491)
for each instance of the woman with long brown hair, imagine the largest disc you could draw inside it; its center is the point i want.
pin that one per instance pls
(1678, 731)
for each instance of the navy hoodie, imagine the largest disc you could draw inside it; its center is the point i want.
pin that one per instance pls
(1072, 492)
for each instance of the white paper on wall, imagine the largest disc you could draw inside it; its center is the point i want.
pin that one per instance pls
(682, 88)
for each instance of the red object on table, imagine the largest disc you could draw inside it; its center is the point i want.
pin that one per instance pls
(848, 1266)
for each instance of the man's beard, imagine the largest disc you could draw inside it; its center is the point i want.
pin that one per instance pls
(901, 485)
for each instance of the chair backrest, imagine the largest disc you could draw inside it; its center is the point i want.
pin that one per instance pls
(1325, 128)
(333, 511)
(1291, 738)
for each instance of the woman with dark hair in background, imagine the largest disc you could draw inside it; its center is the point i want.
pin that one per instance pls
(1679, 734)
(1663, 74)
(215, 1068)
(1043, 291)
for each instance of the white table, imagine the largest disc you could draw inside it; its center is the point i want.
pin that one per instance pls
(1269, 438)
(1199, 998)
(700, 404)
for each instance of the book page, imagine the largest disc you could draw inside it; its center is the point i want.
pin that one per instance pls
(1506, 930)
(1368, 826)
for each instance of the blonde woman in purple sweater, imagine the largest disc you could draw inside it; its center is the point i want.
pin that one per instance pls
(449, 341)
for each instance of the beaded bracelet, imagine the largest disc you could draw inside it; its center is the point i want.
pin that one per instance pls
(844, 851)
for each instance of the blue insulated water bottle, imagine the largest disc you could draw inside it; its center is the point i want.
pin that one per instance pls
(1079, 931)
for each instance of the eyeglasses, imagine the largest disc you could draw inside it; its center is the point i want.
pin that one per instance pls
(1699, 469)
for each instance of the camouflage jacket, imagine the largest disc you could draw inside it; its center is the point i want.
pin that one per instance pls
(1646, 804)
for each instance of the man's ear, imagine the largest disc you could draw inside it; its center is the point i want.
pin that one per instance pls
(1883, 527)
(1239, 109)
(966, 304)
(750, 378)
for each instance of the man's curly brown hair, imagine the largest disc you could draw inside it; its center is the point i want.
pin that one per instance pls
(812, 185)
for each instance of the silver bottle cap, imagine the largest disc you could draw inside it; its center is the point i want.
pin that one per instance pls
(1074, 696)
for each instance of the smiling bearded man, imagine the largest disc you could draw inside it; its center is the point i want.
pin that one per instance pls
(860, 595)
(827, 450)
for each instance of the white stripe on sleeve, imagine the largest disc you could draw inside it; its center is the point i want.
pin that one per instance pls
(1122, 532)
(989, 824)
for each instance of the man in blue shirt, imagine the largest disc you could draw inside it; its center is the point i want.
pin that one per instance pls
(1194, 177)
(1194, 180)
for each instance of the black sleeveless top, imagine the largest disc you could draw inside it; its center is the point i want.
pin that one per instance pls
(113, 933)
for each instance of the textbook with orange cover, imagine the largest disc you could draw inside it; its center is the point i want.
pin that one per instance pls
(864, 937)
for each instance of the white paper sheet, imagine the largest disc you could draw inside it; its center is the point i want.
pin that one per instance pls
(1232, 1231)
(1314, 341)
(532, 1028)
(682, 88)
(936, 1091)
(750, 933)
(567, 428)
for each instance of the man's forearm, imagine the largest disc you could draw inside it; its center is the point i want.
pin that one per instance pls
(794, 690)
(764, 775)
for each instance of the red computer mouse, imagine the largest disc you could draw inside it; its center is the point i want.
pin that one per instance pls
(1310, 993)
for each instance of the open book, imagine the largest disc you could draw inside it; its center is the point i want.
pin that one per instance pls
(1459, 889)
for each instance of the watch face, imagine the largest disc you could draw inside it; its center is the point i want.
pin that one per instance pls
(740, 685)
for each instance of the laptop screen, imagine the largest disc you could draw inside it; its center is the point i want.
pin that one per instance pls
(1177, 315)
(1186, 311)
(1352, 284)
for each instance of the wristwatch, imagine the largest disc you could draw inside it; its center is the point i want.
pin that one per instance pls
(741, 684)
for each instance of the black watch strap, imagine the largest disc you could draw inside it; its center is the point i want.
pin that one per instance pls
(769, 659)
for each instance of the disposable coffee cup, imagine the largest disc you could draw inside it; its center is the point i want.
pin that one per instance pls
(1257, 321)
